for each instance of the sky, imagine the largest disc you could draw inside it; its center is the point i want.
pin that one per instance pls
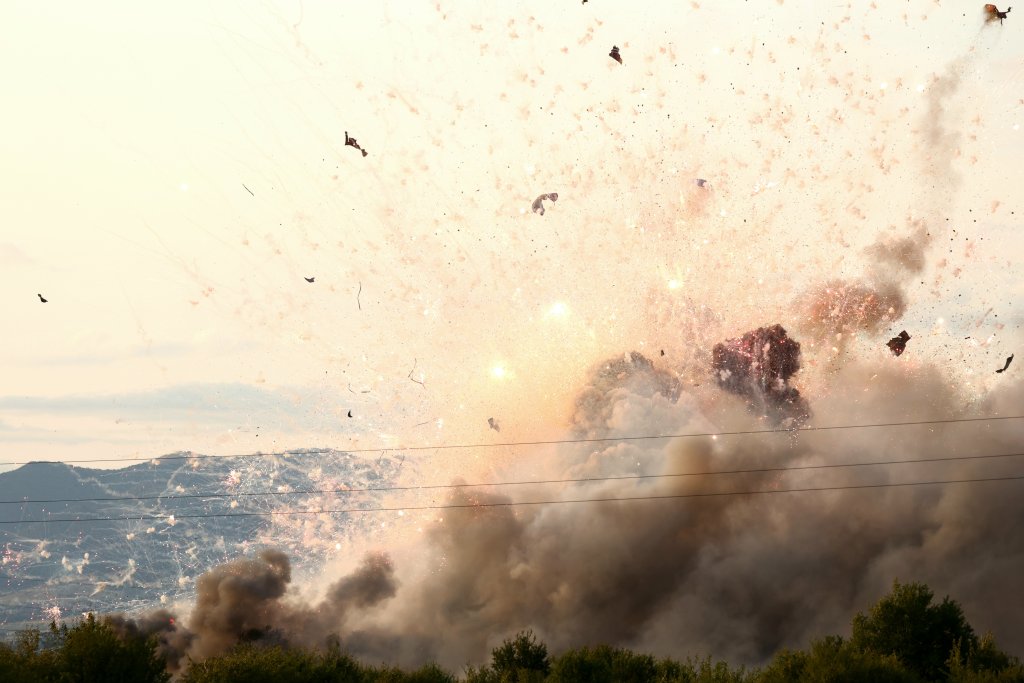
(174, 176)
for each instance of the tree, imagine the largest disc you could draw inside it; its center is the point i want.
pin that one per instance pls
(920, 634)
(520, 655)
(832, 660)
(92, 651)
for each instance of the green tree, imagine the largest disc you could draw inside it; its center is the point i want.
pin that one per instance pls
(832, 660)
(92, 651)
(520, 659)
(920, 634)
(251, 663)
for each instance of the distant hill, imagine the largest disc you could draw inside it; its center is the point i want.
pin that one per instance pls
(51, 568)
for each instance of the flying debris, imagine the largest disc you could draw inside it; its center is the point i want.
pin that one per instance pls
(699, 182)
(351, 142)
(493, 424)
(757, 367)
(1010, 359)
(309, 279)
(663, 352)
(350, 413)
(41, 298)
(614, 54)
(898, 344)
(992, 13)
(538, 203)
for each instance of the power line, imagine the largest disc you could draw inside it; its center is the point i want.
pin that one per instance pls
(579, 480)
(455, 506)
(549, 442)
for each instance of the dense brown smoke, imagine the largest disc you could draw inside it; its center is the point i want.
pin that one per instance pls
(758, 367)
(738, 576)
(245, 601)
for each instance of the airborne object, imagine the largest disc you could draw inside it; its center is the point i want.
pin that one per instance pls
(1010, 359)
(351, 142)
(699, 182)
(898, 344)
(493, 424)
(309, 279)
(614, 54)
(992, 13)
(41, 298)
(350, 413)
(538, 203)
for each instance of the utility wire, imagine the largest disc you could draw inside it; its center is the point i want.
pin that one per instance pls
(455, 506)
(550, 442)
(580, 480)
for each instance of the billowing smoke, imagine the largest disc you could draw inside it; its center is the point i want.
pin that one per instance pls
(725, 564)
(839, 309)
(758, 367)
(246, 601)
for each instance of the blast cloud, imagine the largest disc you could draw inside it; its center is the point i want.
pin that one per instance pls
(246, 601)
(758, 367)
(738, 576)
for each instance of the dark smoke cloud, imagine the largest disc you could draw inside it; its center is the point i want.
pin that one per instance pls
(247, 601)
(758, 367)
(736, 576)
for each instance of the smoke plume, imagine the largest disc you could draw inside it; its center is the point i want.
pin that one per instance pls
(246, 601)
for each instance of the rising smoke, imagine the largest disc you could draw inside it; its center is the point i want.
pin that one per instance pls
(246, 601)
(734, 575)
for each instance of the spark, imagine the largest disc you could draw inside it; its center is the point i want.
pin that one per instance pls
(498, 372)
(674, 284)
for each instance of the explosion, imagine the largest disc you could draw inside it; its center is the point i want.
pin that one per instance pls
(758, 366)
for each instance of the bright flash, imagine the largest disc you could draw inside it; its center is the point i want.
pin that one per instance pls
(674, 284)
(498, 372)
(558, 310)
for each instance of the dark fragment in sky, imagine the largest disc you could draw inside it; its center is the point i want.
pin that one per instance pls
(898, 344)
(309, 279)
(493, 424)
(614, 54)
(41, 298)
(538, 203)
(1008, 360)
(350, 413)
(699, 182)
(757, 367)
(992, 13)
(351, 142)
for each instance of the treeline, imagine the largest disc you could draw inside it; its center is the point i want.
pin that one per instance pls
(905, 638)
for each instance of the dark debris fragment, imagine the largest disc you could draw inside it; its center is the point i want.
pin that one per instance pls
(898, 344)
(351, 142)
(1008, 360)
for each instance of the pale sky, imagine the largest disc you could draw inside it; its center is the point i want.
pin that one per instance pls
(172, 173)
